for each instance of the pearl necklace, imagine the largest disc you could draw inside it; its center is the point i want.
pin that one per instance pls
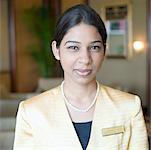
(76, 108)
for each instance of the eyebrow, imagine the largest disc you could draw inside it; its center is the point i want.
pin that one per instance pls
(72, 42)
(98, 41)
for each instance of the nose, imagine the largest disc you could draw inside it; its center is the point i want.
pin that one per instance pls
(85, 57)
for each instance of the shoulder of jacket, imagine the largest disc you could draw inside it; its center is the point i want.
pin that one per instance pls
(124, 102)
(42, 98)
(116, 94)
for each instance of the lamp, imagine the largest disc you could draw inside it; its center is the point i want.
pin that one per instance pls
(138, 46)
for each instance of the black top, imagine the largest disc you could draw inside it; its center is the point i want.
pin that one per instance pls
(83, 130)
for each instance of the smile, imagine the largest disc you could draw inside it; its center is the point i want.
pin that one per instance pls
(83, 72)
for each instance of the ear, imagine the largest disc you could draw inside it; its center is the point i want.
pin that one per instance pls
(55, 50)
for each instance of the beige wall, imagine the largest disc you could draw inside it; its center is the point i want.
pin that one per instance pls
(130, 74)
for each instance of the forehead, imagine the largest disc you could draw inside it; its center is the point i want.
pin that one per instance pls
(82, 32)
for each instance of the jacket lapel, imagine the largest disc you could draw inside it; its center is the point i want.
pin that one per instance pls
(66, 128)
(105, 116)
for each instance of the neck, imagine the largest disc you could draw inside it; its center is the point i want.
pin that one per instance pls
(81, 104)
(80, 92)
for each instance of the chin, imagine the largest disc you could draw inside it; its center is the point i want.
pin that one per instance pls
(85, 80)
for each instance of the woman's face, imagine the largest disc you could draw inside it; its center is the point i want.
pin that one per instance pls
(81, 53)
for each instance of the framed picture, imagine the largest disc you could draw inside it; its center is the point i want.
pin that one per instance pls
(117, 39)
(116, 25)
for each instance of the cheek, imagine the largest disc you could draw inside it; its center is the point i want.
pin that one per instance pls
(66, 62)
(98, 60)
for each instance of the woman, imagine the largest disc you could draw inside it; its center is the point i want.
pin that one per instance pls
(80, 113)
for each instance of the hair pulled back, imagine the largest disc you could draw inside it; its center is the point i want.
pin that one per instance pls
(74, 16)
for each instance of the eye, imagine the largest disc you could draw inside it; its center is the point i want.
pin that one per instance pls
(74, 48)
(96, 48)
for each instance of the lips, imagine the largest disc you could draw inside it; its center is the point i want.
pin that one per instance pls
(83, 72)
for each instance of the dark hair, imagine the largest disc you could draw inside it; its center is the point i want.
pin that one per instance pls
(75, 15)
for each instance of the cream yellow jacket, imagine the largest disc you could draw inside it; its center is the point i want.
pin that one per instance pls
(43, 123)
